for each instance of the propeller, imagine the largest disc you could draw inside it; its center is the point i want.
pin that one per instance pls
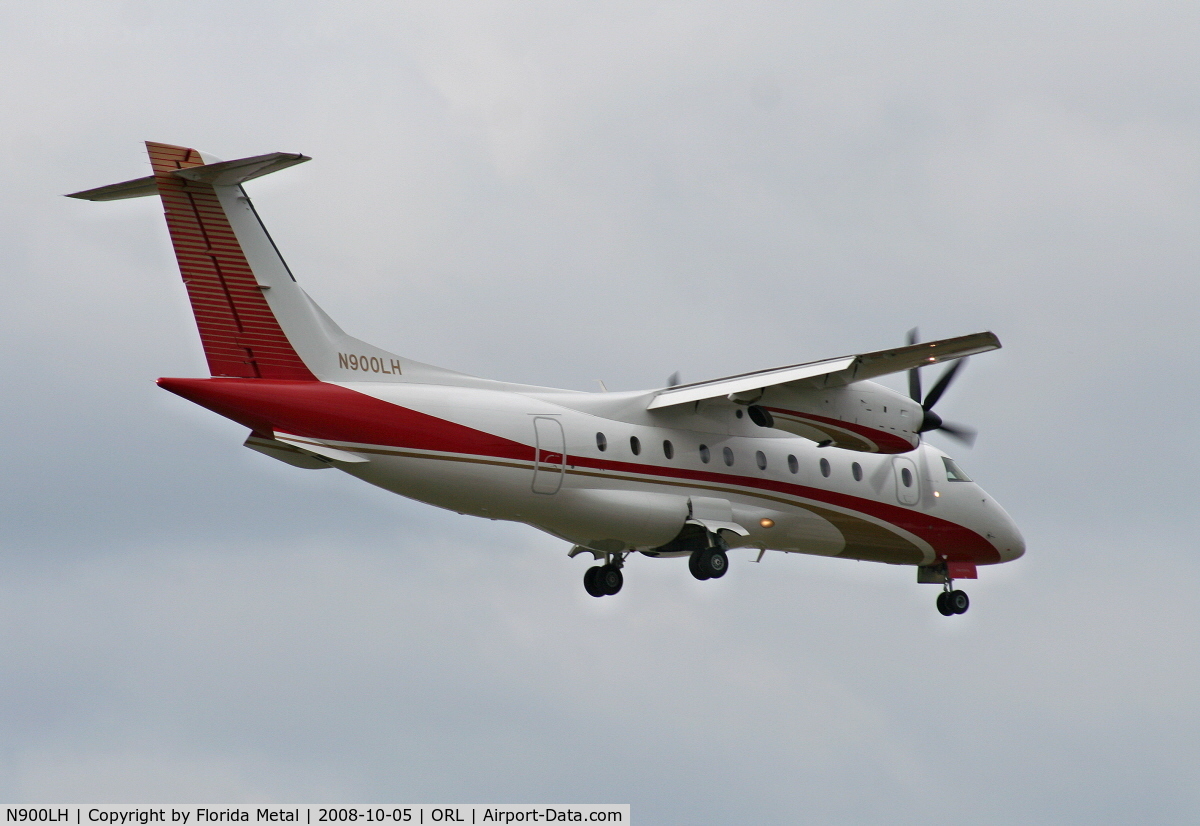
(933, 421)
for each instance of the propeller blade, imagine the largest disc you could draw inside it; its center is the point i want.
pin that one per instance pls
(914, 375)
(960, 433)
(942, 384)
(933, 421)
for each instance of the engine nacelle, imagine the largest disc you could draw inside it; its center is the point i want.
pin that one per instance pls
(864, 416)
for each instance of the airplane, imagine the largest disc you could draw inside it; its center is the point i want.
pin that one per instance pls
(811, 458)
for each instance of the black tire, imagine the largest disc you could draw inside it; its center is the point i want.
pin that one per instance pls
(610, 579)
(591, 581)
(711, 562)
(694, 565)
(943, 604)
(958, 602)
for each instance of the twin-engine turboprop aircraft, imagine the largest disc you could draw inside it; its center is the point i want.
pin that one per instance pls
(810, 458)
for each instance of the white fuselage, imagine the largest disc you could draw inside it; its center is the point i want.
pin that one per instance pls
(617, 499)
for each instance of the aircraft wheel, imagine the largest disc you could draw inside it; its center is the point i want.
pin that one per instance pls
(943, 604)
(592, 583)
(958, 602)
(711, 562)
(694, 565)
(610, 579)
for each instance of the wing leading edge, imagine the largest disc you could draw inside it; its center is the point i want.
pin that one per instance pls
(833, 372)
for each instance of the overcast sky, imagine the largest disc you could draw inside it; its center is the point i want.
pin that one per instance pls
(560, 192)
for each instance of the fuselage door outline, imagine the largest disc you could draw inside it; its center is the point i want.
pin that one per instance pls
(908, 483)
(549, 464)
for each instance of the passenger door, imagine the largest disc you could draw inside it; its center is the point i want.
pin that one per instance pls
(908, 485)
(550, 456)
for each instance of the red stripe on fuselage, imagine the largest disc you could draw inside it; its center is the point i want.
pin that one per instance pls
(953, 540)
(327, 411)
(886, 442)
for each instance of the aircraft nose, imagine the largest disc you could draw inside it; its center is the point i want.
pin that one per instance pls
(1009, 541)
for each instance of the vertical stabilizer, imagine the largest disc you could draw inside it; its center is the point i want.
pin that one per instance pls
(238, 329)
(254, 319)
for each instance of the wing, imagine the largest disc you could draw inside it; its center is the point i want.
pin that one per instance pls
(835, 372)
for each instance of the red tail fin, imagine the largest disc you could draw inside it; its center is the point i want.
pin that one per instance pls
(241, 336)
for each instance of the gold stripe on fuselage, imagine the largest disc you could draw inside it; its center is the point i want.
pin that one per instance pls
(865, 540)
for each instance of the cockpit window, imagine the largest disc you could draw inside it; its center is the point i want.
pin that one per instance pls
(953, 472)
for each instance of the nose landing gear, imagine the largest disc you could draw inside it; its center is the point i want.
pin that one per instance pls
(950, 602)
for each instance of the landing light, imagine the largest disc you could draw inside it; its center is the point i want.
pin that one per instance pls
(937, 493)
(767, 523)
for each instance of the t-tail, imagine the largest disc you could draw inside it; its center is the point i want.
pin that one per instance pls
(255, 321)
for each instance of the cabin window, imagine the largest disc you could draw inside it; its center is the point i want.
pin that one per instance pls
(761, 459)
(635, 444)
(906, 477)
(825, 469)
(953, 472)
(601, 442)
(668, 449)
(793, 464)
(704, 456)
(856, 471)
(728, 453)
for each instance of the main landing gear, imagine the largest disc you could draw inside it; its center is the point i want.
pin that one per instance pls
(950, 602)
(604, 580)
(706, 552)
(708, 563)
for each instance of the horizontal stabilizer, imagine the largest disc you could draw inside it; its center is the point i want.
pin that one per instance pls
(221, 173)
(139, 188)
(231, 173)
(833, 372)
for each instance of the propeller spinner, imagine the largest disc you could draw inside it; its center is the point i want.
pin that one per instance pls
(932, 421)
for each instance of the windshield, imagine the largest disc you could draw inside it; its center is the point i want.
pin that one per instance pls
(953, 472)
